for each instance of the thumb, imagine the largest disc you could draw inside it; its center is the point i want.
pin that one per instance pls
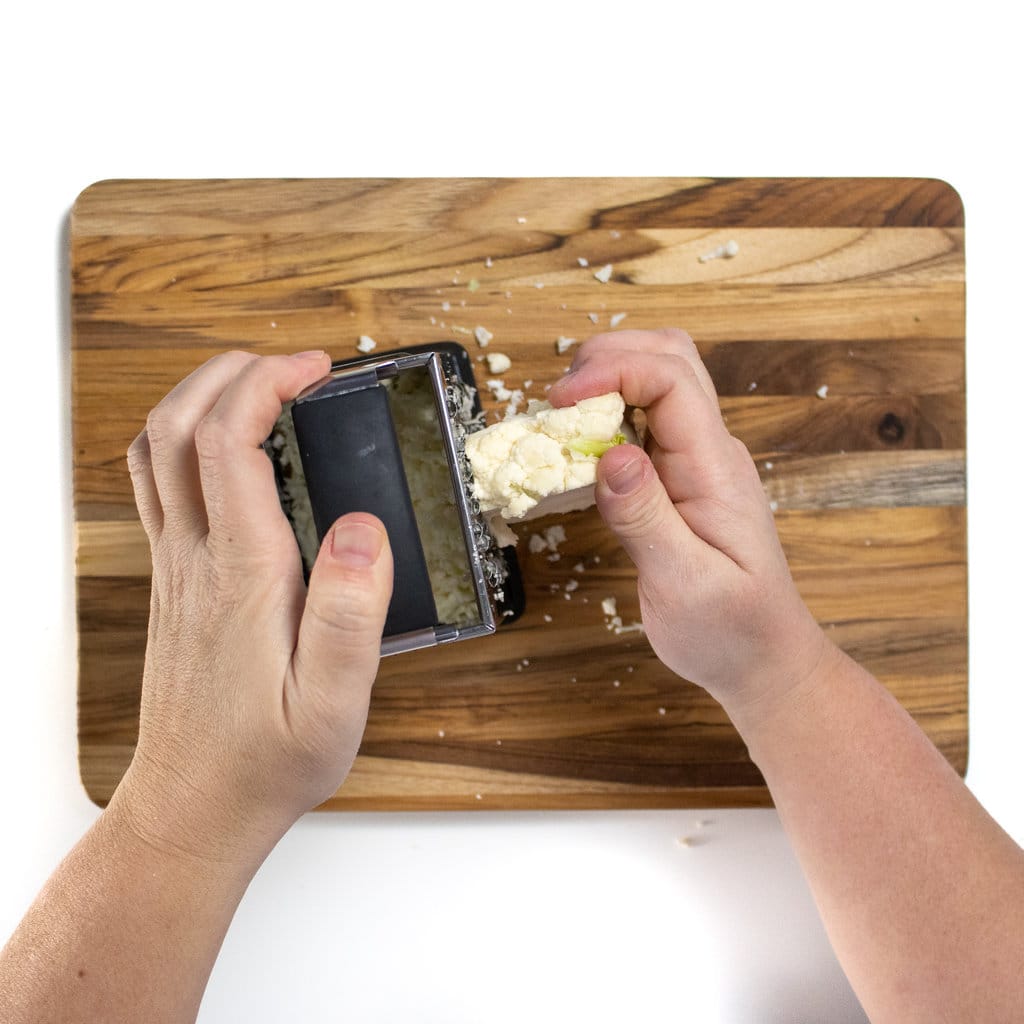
(635, 505)
(347, 601)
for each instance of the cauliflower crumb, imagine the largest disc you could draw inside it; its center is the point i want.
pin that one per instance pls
(609, 606)
(822, 392)
(446, 306)
(537, 544)
(563, 344)
(554, 535)
(515, 399)
(633, 627)
(547, 618)
(488, 263)
(572, 585)
(593, 317)
(497, 362)
(617, 319)
(726, 251)
(483, 336)
(520, 220)
(582, 261)
(527, 384)
(579, 567)
(604, 275)
(366, 343)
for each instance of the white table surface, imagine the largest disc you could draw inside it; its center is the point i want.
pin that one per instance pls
(495, 917)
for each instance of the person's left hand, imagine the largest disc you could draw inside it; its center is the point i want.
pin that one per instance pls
(255, 694)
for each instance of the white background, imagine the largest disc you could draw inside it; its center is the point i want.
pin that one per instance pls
(495, 917)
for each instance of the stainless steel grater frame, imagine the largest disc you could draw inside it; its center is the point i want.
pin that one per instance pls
(344, 471)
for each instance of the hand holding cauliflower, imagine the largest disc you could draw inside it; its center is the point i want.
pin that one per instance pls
(543, 453)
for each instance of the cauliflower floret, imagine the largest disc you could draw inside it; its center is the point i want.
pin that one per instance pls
(543, 452)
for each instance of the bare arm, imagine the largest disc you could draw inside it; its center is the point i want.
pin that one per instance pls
(123, 930)
(921, 892)
(254, 699)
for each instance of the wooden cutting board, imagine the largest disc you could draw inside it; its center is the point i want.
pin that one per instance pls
(854, 285)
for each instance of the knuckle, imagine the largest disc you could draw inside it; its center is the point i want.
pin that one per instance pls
(353, 622)
(678, 338)
(235, 359)
(166, 424)
(741, 452)
(212, 439)
(642, 518)
(139, 456)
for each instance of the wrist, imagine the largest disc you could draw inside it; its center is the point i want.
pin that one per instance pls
(771, 692)
(176, 821)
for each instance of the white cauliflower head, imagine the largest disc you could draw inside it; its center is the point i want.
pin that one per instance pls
(542, 452)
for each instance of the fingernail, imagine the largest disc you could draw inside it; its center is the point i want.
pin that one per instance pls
(313, 353)
(627, 478)
(356, 544)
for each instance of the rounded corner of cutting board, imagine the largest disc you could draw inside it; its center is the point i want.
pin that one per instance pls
(953, 198)
(92, 191)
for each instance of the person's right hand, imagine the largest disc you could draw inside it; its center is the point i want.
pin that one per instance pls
(718, 602)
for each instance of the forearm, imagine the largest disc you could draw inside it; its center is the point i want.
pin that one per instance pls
(122, 931)
(921, 892)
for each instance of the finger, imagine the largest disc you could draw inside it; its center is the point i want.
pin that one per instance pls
(147, 500)
(347, 603)
(634, 503)
(681, 417)
(237, 477)
(664, 340)
(171, 429)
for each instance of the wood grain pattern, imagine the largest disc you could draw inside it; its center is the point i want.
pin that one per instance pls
(851, 283)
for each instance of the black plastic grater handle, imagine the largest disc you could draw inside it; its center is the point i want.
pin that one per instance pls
(352, 463)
